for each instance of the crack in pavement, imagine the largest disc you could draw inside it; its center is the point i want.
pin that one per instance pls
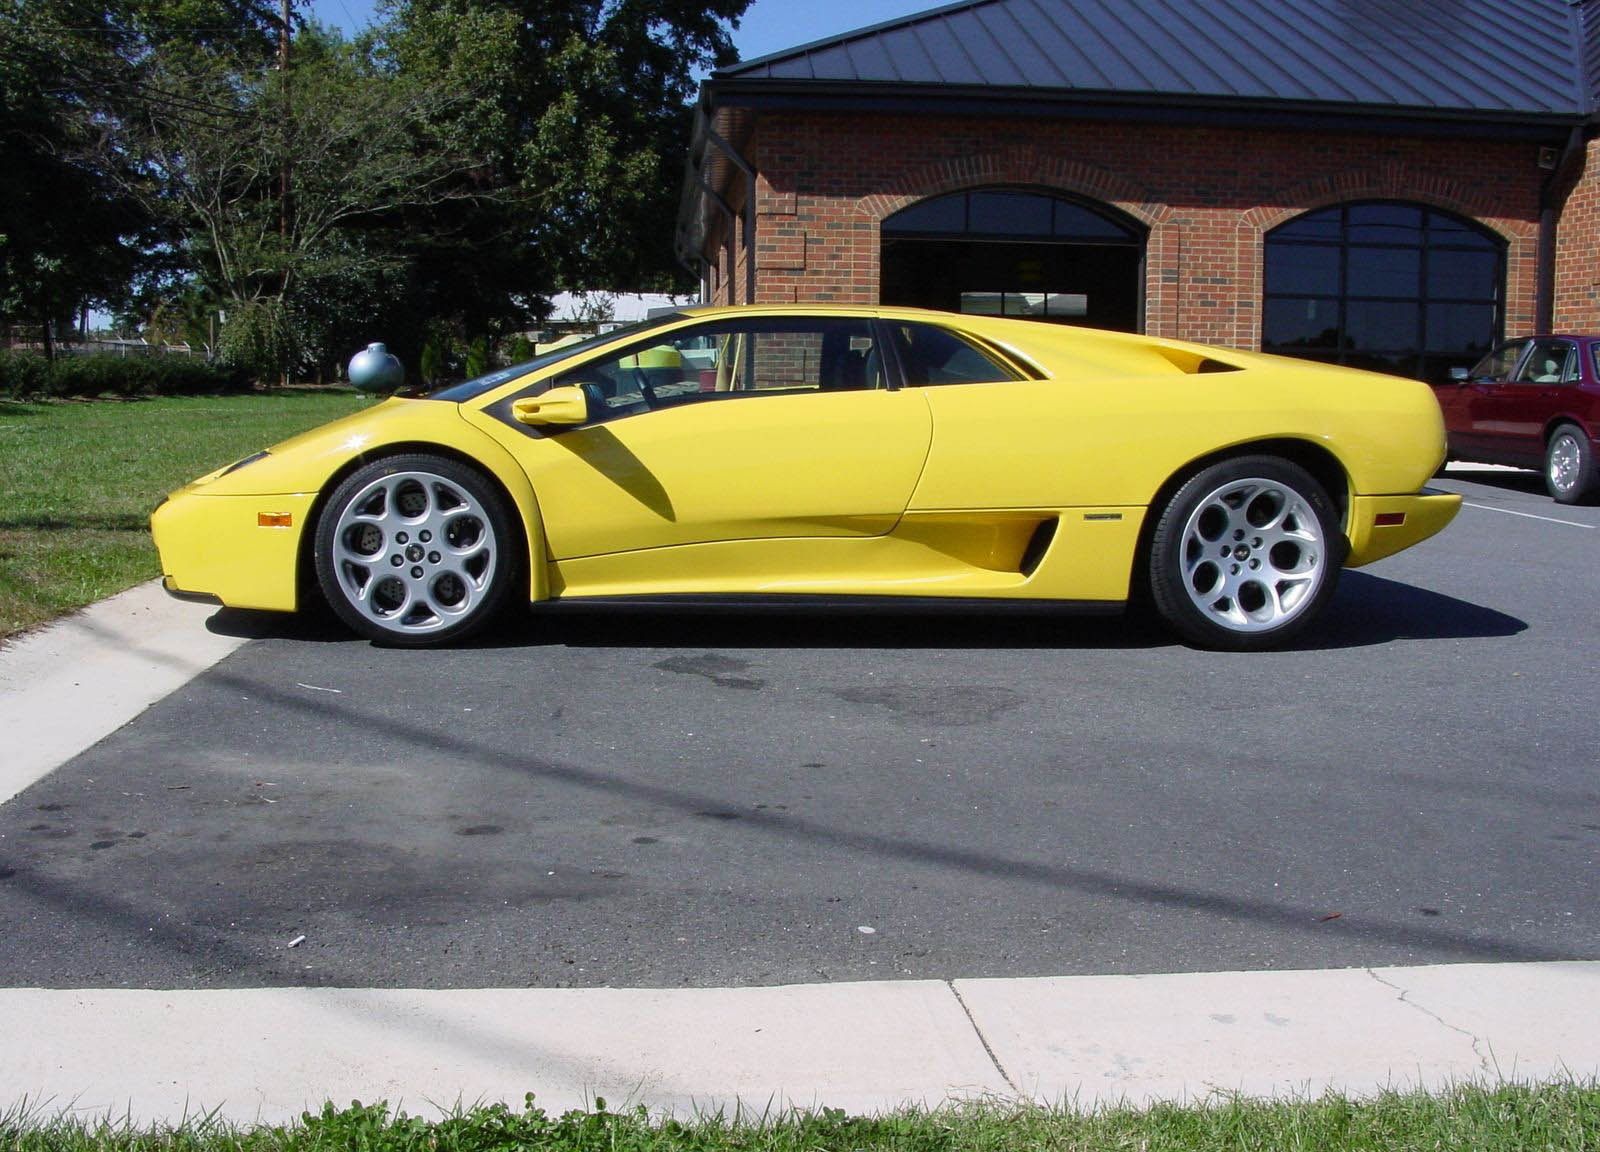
(984, 1040)
(1484, 1061)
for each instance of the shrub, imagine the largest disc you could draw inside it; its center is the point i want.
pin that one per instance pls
(23, 374)
(477, 357)
(434, 361)
(259, 337)
(28, 374)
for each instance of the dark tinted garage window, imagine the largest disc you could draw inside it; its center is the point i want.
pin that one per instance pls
(1384, 285)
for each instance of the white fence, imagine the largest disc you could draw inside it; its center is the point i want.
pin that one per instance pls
(121, 348)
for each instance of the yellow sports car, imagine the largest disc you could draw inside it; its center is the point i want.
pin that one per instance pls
(800, 452)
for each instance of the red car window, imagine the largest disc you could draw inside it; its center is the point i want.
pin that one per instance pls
(1548, 362)
(1499, 364)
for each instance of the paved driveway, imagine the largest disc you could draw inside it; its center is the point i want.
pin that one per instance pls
(656, 800)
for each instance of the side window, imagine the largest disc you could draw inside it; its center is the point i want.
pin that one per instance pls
(728, 359)
(1549, 362)
(933, 355)
(1499, 364)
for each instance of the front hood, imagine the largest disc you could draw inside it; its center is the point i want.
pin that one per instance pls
(303, 463)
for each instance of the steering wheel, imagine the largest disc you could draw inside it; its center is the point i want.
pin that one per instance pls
(645, 390)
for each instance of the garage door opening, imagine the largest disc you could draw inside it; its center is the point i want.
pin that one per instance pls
(1013, 252)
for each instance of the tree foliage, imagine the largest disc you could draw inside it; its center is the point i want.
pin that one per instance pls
(360, 149)
(443, 175)
(584, 105)
(63, 220)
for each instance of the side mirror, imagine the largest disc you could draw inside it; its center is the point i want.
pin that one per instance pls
(1460, 375)
(565, 404)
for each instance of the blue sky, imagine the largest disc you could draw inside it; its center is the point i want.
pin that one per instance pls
(768, 25)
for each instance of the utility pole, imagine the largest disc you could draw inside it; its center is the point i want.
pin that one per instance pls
(283, 171)
(283, 67)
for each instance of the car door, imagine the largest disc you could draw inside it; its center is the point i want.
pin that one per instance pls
(738, 429)
(1465, 401)
(1509, 415)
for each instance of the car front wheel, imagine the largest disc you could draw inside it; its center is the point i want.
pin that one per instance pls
(415, 550)
(1569, 466)
(1245, 554)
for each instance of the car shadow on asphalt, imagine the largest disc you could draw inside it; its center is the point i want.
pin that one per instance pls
(752, 626)
(1367, 611)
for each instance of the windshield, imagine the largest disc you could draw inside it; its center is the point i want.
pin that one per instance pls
(478, 385)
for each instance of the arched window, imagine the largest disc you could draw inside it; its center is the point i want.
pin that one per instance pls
(1015, 252)
(1390, 286)
(1009, 214)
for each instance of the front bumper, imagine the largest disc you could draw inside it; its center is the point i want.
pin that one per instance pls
(216, 548)
(1383, 525)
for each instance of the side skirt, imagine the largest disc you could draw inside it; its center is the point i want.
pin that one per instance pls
(696, 603)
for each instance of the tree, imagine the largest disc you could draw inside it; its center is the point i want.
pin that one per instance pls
(445, 176)
(71, 231)
(583, 108)
(364, 149)
(68, 234)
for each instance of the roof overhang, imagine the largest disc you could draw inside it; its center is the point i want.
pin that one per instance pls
(1075, 103)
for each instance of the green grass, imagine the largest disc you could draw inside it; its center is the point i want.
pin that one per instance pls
(78, 481)
(1469, 1119)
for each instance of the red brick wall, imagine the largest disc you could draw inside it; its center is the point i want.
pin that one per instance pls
(1206, 195)
(1577, 298)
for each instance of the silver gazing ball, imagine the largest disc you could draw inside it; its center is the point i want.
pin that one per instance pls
(373, 369)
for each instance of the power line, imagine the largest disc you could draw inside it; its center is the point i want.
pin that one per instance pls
(146, 32)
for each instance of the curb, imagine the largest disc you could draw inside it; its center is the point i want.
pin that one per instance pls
(70, 684)
(266, 1055)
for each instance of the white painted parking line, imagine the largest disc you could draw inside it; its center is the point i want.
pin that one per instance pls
(1526, 515)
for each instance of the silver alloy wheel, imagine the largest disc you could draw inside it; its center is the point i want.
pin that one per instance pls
(1566, 458)
(1253, 555)
(414, 552)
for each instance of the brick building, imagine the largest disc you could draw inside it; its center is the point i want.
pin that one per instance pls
(1388, 183)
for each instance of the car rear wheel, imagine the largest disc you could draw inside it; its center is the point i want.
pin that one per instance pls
(415, 550)
(1245, 554)
(1569, 466)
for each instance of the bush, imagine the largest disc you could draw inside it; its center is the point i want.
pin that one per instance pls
(435, 361)
(259, 337)
(23, 374)
(28, 374)
(477, 357)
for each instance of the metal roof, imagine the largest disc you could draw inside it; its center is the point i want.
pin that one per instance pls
(1589, 30)
(1500, 59)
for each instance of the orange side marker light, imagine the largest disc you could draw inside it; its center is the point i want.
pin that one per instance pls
(274, 520)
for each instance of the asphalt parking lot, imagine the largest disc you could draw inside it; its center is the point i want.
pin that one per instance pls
(659, 800)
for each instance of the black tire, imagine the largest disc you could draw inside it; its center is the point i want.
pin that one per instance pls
(1245, 554)
(416, 551)
(1570, 472)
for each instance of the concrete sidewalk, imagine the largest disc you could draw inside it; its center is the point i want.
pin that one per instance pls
(267, 1054)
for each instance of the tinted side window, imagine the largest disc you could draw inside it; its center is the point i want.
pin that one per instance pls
(933, 355)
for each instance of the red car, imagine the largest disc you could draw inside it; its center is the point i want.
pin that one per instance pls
(1531, 403)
